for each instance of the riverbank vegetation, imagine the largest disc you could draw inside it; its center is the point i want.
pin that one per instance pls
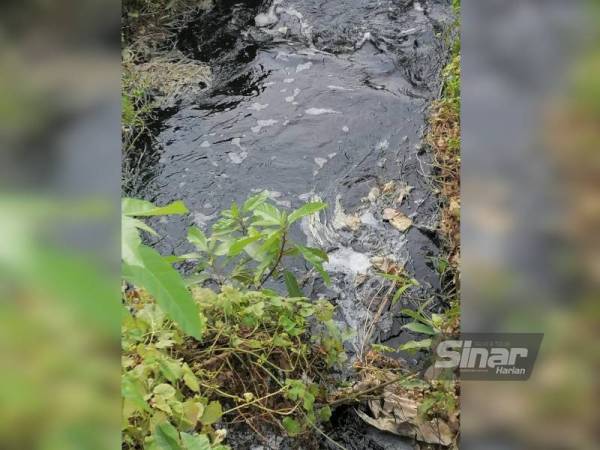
(219, 349)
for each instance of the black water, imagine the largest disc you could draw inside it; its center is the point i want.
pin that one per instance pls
(328, 99)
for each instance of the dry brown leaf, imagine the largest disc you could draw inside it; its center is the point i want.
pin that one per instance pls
(397, 219)
(399, 415)
(403, 193)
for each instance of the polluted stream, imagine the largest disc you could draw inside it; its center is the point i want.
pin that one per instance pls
(315, 100)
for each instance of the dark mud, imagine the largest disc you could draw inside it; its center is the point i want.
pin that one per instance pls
(314, 99)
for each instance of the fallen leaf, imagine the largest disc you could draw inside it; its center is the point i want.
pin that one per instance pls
(386, 264)
(397, 219)
(388, 187)
(352, 222)
(403, 193)
(374, 194)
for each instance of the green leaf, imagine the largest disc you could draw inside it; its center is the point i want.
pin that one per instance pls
(238, 246)
(190, 379)
(415, 345)
(212, 413)
(165, 284)
(315, 257)
(306, 210)
(382, 348)
(166, 437)
(197, 238)
(130, 241)
(132, 390)
(325, 413)
(195, 441)
(403, 289)
(417, 327)
(291, 426)
(164, 390)
(292, 285)
(255, 200)
(143, 208)
(268, 215)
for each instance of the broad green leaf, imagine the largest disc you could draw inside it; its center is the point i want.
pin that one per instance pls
(131, 389)
(143, 208)
(195, 441)
(415, 345)
(212, 413)
(164, 390)
(165, 284)
(292, 285)
(189, 378)
(238, 246)
(198, 238)
(382, 348)
(291, 426)
(130, 241)
(255, 200)
(314, 257)
(268, 215)
(140, 224)
(418, 327)
(306, 210)
(167, 437)
(188, 256)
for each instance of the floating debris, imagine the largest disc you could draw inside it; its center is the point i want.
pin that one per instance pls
(397, 219)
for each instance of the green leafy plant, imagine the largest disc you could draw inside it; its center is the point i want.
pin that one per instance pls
(250, 242)
(146, 268)
(194, 357)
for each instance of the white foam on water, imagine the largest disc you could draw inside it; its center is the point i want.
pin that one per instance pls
(257, 106)
(347, 260)
(205, 144)
(305, 66)
(237, 158)
(338, 88)
(320, 162)
(288, 80)
(291, 98)
(319, 111)
(345, 129)
(260, 124)
(383, 144)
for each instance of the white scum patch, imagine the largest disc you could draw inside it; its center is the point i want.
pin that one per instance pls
(383, 145)
(205, 144)
(291, 98)
(346, 260)
(288, 80)
(260, 124)
(237, 142)
(202, 219)
(319, 111)
(332, 155)
(305, 66)
(238, 158)
(338, 88)
(257, 106)
(320, 162)
(345, 129)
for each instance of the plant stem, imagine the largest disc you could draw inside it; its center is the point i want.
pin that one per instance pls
(277, 261)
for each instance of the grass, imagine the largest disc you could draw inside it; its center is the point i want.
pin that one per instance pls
(444, 138)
